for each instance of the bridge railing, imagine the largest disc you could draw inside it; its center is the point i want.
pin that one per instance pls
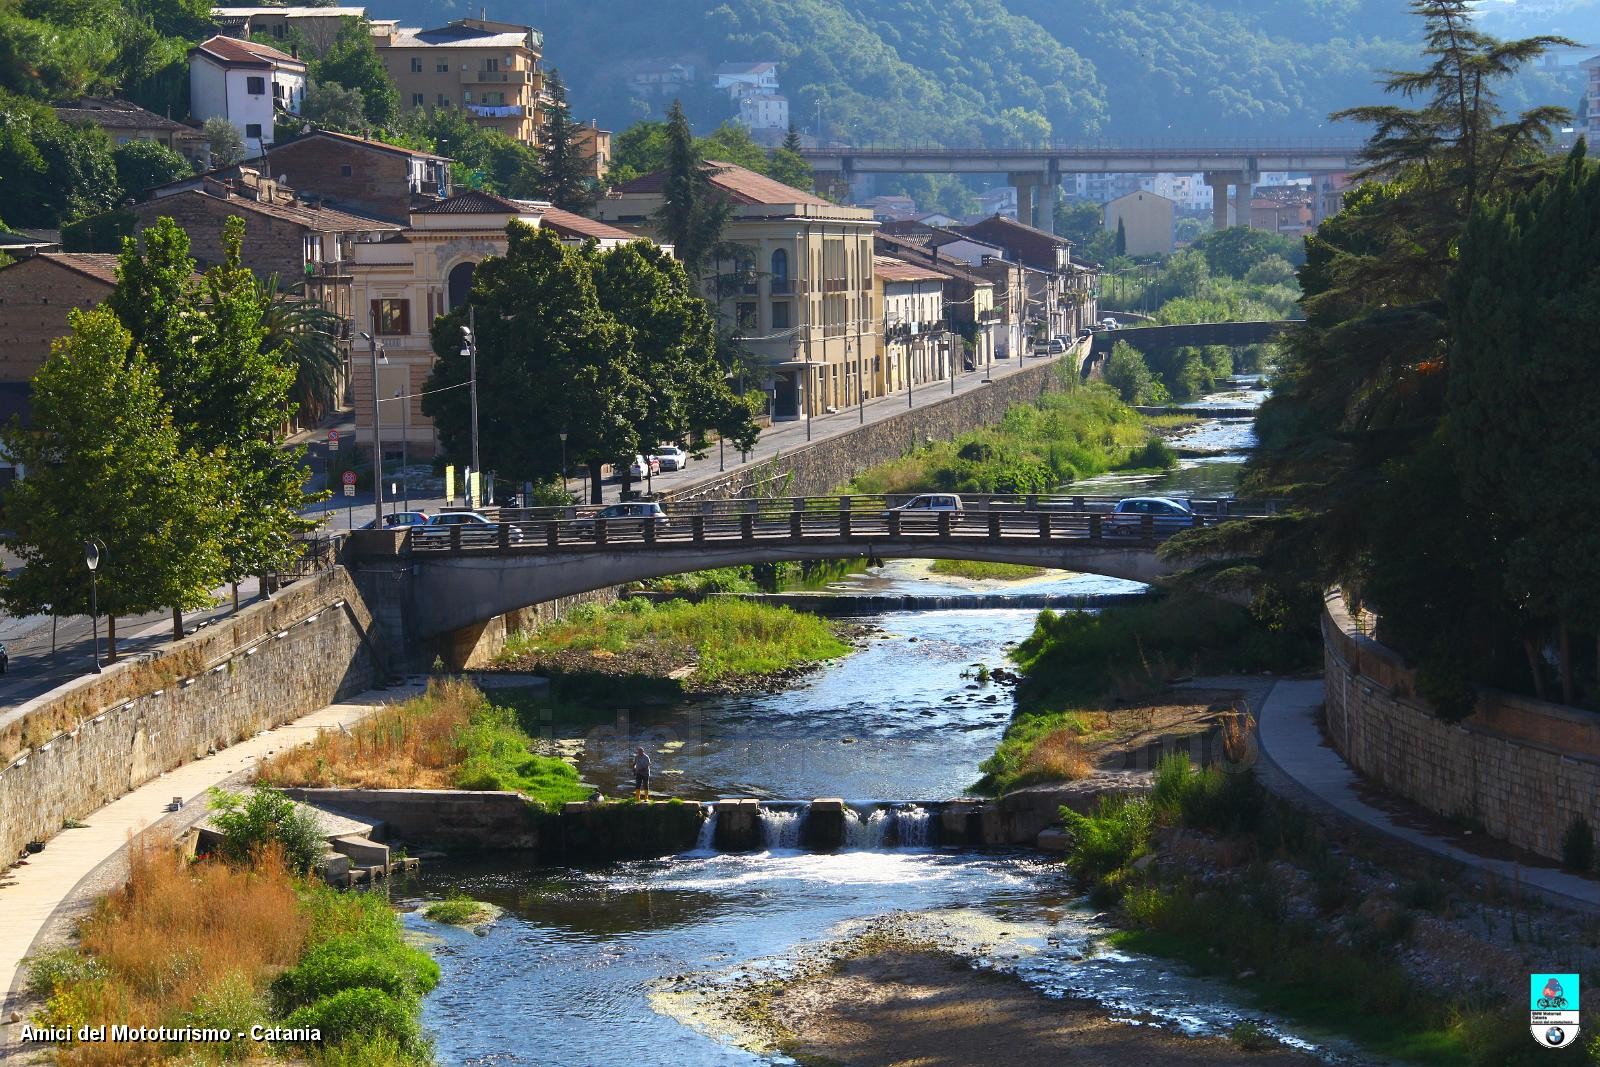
(1010, 525)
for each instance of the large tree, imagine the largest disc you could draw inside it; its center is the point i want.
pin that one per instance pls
(550, 359)
(693, 212)
(106, 463)
(352, 61)
(566, 170)
(142, 164)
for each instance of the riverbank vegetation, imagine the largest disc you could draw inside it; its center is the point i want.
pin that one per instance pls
(1212, 869)
(1075, 433)
(978, 571)
(451, 737)
(236, 945)
(715, 643)
(781, 577)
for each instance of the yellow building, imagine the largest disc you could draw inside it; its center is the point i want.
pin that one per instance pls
(914, 345)
(489, 68)
(803, 298)
(1147, 221)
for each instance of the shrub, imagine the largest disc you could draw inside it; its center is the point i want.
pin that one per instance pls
(1114, 835)
(355, 962)
(250, 823)
(1249, 1036)
(457, 911)
(1577, 846)
(1155, 455)
(357, 1014)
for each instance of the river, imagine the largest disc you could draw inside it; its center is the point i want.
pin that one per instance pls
(575, 970)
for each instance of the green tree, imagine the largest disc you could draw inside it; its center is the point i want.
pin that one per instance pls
(225, 142)
(788, 166)
(1235, 250)
(1120, 245)
(52, 173)
(565, 169)
(638, 150)
(1127, 373)
(731, 143)
(105, 462)
(693, 212)
(143, 164)
(352, 61)
(333, 106)
(549, 360)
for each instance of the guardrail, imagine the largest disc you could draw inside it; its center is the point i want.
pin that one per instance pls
(789, 525)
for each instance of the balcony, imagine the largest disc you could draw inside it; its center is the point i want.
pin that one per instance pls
(499, 77)
(782, 287)
(498, 111)
(326, 269)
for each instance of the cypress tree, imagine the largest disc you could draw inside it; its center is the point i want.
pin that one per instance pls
(565, 171)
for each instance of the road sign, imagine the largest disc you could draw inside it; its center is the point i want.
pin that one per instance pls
(333, 440)
(349, 489)
(349, 478)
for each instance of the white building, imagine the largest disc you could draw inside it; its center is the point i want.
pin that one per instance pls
(742, 79)
(764, 111)
(1189, 191)
(245, 83)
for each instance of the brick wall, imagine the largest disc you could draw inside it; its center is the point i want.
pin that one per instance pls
(35, 296)
(376, 185)
(271, 245)
(111, 733)
(1519, 767)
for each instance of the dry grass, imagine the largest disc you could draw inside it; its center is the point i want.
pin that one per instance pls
(180, 944)
(1058, 756)
(415, 745)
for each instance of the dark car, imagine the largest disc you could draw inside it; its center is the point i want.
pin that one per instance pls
(1167, 516)
(631, 517)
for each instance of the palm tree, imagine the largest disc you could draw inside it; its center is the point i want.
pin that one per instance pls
(305, 334)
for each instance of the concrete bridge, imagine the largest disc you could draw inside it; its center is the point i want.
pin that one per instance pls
(1039, 170)
(439, 581)
(1195, 334)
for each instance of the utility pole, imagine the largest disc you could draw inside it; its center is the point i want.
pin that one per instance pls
(469, 334)
(861, 379)
(377, 436)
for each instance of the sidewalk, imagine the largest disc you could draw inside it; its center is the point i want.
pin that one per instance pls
(31, 893)
(1296, 762)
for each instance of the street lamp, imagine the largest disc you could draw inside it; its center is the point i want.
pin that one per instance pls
(377, 427)
(91, 556)
(563, 436)
(470, 351)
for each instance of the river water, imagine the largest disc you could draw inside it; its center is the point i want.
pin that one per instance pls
(574, 971)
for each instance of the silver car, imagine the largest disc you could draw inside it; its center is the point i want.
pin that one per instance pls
(1167, 516)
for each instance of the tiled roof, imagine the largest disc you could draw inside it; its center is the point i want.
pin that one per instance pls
(473, 202)
(895, 270)
(116, 114)
(921, 257)
(100, 266)
(316, 219)
(1006, 222)
(743, 186)
(569, 224)
(289, 12)
(234, 52)
(746, 68)
(363, 142)
(450, 37)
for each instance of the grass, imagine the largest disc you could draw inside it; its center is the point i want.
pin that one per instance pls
(759, 577)
(726, 638)
(210, 944)
(451, 737)
(456, 911)
(1080, 431)
(1041, 748)
(981, 572)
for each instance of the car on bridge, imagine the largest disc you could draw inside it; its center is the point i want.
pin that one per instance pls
(927, 508)
(1167, 517)
(482, 529)
(398, 519)
(631, 517)
(1109, 324)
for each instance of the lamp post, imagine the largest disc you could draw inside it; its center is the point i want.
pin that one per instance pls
(469, 334)
(809, 383)
(563, 436)
(376, 351)
(861, 377)
(405, 438)
(91, 556)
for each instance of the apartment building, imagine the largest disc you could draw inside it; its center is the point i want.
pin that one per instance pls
(316, 26)
(490, 69)
(802, 296)
(915, 345)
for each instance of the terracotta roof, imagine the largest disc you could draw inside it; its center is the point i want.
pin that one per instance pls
(363, 142)
(316, 219)
(473, 202)
(742, 185)
(1006, 222)
(898, 248)
(234, 52)
(895, 270)
(569, 224)
(100, 266)
(117, 114)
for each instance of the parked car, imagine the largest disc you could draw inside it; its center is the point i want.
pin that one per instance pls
(672, 458)
(1055, 346)
(399, 518)
(1168, 516)
(643, 466)
(926, 508)
(472, 519)
(631, 517)
(1109, 324)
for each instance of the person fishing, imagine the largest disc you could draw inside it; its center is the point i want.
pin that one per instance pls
(641, 775)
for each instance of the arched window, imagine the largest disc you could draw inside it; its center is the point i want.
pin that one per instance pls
(780, 271)
(460, 283)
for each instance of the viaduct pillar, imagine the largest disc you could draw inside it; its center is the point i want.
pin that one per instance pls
(1024, 184)
(1049, 197)
(1219, 182)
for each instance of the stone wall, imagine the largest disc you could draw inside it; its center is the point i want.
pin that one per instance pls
(78, 748)
(1521, 768)
(819, 468)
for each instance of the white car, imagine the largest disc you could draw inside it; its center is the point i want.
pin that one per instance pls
(927, 507)
(470, 519)
(643, 467)
(672, 458)
(1108, 324)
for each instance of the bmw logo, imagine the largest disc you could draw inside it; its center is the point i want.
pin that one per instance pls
(1555, 1036)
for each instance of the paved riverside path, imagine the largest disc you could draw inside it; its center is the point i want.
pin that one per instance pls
(1298, 763)
(33, 891)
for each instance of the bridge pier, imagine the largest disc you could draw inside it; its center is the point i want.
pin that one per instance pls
(1024, 183)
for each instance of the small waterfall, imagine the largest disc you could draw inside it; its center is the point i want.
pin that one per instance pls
(780, 829)
(865, 833)
(708, 833)
(911, 825)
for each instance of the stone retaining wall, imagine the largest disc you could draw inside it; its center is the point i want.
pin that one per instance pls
(821, 467)
(1521, 768)
(83, 746)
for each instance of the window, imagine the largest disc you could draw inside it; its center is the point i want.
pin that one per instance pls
(492, 63)
(252, 131)
(346, 170)
(780, 314)
(391, 317)
(466, 96)
(441, 68)
(416, 65)
(416, 99)
(277, 90)
(780, 271)
(747, 316)
(255, 86)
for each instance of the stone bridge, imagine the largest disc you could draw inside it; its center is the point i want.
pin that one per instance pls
(1187, 335)
(440, 585)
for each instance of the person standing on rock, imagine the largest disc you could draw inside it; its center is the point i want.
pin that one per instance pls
(641, 775)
